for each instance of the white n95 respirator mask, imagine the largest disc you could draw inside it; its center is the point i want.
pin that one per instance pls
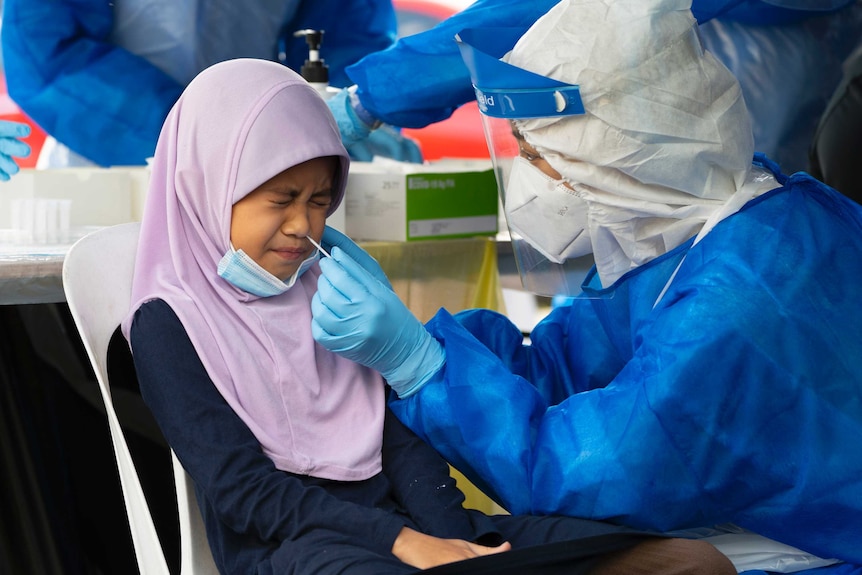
(239, 269)
(548, 214)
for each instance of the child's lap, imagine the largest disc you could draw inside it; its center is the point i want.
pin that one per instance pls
(328, 553)
(526, 531)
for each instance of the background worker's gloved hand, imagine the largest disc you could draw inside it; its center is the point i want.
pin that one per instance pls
(365, 136)
(357, 317)
(11, 145)
(388, 142)
(332, 237)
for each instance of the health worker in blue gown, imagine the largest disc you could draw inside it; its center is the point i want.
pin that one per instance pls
(705, 376)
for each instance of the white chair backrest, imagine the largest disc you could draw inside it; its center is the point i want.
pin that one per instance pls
(97, 279)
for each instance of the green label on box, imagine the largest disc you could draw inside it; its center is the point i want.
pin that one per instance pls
(451, 205)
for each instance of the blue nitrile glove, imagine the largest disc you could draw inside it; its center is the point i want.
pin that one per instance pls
(332, 237)
(357, 317)
(388, 142)
(364, 136)
(352, 129)
(11, 145)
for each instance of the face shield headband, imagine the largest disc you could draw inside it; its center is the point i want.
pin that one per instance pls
(546, 219)
(506, 91)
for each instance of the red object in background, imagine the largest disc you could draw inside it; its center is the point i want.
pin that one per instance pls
(416, 16)
(9, 110)
(461, 135)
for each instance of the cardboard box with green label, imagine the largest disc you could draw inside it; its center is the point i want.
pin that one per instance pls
(394, 201)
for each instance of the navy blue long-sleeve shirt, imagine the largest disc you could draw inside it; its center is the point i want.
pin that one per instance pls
(250, 508)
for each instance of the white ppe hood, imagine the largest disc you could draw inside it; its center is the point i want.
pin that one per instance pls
(666, 138)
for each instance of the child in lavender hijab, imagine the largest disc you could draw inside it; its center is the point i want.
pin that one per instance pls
(298, 465)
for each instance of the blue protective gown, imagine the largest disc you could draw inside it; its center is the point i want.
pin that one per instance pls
(736, 399)
(101, 76)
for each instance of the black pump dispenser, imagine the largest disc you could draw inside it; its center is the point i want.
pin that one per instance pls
(315, 70)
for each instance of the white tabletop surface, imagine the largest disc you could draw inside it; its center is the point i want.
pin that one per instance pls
(32, 273)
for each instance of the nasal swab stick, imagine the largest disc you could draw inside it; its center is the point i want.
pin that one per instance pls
(317, 245)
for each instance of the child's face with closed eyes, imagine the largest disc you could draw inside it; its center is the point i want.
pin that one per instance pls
(272, 222)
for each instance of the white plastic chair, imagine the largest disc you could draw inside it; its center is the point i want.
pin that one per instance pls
(97, 279)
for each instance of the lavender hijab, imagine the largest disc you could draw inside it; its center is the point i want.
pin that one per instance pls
(238, 124)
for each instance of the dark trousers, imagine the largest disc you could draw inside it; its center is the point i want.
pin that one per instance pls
(540, 546)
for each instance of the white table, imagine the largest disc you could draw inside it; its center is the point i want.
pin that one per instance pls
(34, 273)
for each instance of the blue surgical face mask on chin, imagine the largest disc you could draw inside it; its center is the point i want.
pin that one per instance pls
(239, 269)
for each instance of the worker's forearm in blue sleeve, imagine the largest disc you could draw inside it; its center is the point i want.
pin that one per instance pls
(478, 414)
(98, 99)
(579, 457)
(421, 79)
(484, 408)
(582, 358)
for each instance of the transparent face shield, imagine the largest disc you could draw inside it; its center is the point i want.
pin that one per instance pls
(546, 218)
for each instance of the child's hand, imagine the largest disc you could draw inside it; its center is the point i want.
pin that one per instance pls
(424, 551)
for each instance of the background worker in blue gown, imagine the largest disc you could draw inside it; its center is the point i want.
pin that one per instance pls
(705, 376)
(100, 77)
